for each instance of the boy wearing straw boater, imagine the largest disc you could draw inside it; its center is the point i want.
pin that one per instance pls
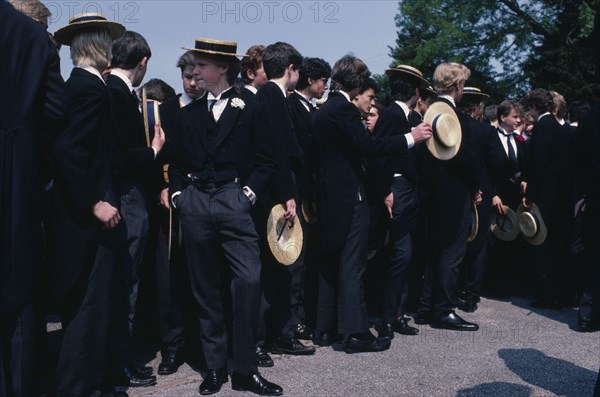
(397, 187)
(90, 234)
(224, 162)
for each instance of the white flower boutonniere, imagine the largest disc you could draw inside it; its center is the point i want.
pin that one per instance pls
(238, 103)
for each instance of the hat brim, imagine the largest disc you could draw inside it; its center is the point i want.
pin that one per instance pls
(474, 97)
(218, 54)
(65, 34)
(407, 75)
(498, 231)
(437, 150)
(475, 225)
(285, 246)
(542, 232)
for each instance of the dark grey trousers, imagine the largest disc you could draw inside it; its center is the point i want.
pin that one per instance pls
(216, 221)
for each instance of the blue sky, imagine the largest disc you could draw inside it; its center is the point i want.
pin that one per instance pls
(325, 29)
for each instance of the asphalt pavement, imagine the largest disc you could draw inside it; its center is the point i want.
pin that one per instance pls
(518, 352)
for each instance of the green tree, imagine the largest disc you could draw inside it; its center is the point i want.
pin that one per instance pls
(509, 45)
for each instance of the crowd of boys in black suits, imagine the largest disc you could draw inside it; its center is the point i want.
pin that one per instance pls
(194, 193)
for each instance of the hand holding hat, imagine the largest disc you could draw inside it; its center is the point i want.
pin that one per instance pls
(284, 236)
(422, 132)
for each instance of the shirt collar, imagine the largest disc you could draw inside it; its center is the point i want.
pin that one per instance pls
(218, 97)
(302, 95)
(281, 87)
(545, 114)
(404, 108)
(93, 71)
(122, 77)
(185, 99)
(503, 131)
(251, 88)
(345, 94)
(449, 98)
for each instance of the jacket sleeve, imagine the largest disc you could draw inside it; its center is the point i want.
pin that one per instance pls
(75, 146)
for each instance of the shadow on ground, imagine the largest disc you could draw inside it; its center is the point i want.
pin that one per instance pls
(552, 374)
(496, 389)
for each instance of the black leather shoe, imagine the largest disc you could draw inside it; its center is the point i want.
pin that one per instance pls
(453, 322)
(303, 332)
(129, 377)
(545, 304)
(141, 370)
(291, 346)
(423, 318)
(467, 306)
(385, 330)
(213, 381)
(401, 326)
(262, 357)
(256, 384)
(325, 338)
(356, 344)
(170, 363)
(585, 325)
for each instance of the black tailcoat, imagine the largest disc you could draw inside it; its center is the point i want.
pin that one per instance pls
(86, 158)
(139, 158)
(343, 143)
(32, 103)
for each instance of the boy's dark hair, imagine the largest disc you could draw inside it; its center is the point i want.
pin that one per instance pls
(402, 89)
(541, 99)
(490, 114)
(349, 73)
(380, 108)
(369, 83)
(128, 50)
(158, 90)
(505, 108)
(252, 61)
(468, 107)
(277, 57)
(186, 60)
(313, 68)
(577, 110)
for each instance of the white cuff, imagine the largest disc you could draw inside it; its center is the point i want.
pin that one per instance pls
(155, 153)
(173, 198)
(250, 194)
(410, 140)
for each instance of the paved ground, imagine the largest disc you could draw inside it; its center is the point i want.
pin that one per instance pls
(517, 352)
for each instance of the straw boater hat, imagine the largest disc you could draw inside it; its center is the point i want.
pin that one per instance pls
(474, 94)
(505, 226)
(532, 226)
(285, 238)
(408, 72)
(217, 48)
(429, 91)
(474, 224)
(447, 133)
(88, 20)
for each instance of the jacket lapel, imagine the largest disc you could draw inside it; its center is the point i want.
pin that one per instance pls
(227, 120)
(199, 113)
